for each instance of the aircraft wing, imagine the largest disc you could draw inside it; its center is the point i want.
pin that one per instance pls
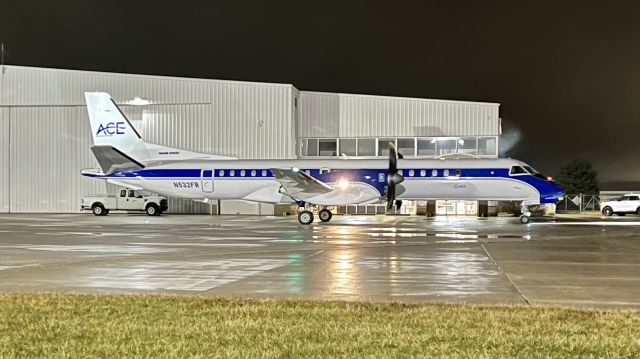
(298, 184)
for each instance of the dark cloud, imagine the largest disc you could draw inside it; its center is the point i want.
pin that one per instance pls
(565, 72)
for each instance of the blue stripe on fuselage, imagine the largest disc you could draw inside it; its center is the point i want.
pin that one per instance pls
(549, 191)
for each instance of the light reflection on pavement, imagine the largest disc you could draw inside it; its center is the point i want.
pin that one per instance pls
(590, 262)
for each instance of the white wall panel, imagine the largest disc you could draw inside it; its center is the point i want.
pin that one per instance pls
(345, 115)
(4, 159)
(49, 147)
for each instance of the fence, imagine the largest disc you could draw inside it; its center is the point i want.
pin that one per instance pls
(579, 202)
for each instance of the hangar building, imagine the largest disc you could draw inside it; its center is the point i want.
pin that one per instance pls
(45, 135)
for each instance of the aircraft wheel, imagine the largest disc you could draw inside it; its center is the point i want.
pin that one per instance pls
(325, 215)
(524, 219)
(305, 217)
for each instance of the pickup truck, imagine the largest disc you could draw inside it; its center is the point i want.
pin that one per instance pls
(127, 200)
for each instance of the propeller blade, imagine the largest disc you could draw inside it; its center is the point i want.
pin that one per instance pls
(393, 158)
(391, 195)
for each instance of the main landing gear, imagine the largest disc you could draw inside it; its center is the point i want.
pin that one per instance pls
(525, 217)
(305, 215)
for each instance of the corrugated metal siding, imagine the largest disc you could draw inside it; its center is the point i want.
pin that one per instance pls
(345, 115)
(49, 147)
(4, 159)
(243, 119)
(50, 127)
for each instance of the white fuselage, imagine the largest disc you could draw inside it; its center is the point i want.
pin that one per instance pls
(354, 180)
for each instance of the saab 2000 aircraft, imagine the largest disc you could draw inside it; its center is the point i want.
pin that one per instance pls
(126, 160)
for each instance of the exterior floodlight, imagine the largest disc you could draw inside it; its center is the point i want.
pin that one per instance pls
(461, 141)
(139, 101)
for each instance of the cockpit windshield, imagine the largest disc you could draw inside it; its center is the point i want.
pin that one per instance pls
(530, 169)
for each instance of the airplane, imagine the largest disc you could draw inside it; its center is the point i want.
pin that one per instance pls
(125, 159)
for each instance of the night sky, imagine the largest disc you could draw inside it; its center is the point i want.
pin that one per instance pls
(567, 73)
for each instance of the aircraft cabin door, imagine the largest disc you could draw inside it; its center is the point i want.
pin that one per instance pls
(206, 180)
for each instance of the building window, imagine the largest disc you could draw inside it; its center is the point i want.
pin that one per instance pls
(348, 146)
(407, 146)
(446, 145)
(366, 147)
(427, 146)
(327, 147)
(312, 147)
(383, 146)
(487, 146)
(467, 145)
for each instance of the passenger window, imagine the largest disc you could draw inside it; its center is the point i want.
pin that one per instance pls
(253, 173)
(242, 173)
(458, 173)
(131, 194)
(401, 173)
(423, 173)
(445, 173)
(434, 173)
(517, 170)
(123, 193)
(221, 173)
(232, 173)
(411, 173)
(264, 173)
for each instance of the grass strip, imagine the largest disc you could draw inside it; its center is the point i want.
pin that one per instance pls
(160, 326)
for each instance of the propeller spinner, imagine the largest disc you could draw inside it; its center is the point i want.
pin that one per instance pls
(393, 177)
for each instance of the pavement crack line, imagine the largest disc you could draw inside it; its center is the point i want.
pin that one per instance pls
(505, 274)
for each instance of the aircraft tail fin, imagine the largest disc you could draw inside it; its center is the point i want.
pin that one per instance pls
(109, 125)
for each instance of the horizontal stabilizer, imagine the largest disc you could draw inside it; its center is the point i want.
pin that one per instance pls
(113, 160)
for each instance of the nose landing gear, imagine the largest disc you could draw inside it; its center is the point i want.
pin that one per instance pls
(525, 217)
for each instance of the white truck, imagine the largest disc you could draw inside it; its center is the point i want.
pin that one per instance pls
(126, 200)
(629, 203)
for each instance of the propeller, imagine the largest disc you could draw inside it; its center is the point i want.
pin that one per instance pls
(393, 177)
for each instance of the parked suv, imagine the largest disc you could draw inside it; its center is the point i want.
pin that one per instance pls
(629, 203)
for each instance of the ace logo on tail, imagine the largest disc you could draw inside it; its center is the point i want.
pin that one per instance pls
(112, 128)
